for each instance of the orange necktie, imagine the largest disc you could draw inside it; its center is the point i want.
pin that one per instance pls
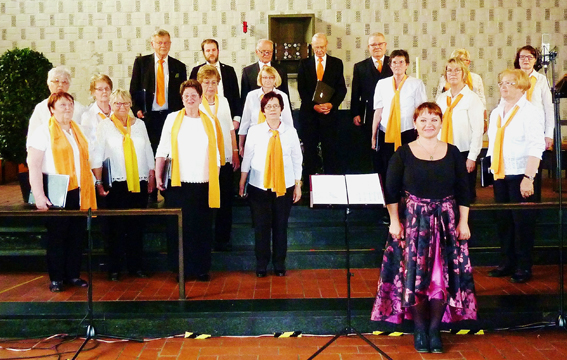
(379, 66)
(530, 92)
(160, 93)
(320, 70)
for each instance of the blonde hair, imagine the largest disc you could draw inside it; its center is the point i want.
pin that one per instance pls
(270, 71)
(459, 53)
(207, 72)
(99, 77)
(120, 94)
(520, 77)
(457, 61)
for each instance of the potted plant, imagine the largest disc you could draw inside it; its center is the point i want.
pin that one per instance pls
(23, 84)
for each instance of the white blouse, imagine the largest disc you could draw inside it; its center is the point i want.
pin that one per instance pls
(468, 121)
(523, 137)
(412, 95)
(477, 86)
(109, 144)
(252, 110)
(41, 115)
(225, 120)
(192, 145)
(256, 148)
(541, 98)
(90, 119)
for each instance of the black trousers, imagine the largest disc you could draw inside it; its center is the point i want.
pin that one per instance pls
(471, 178)
(516, 228)
(193, 199)
(386, 150)
(126, 233)
(65, 242)
(154, 124)
(223, 216)
(320, 129)
(270, 215)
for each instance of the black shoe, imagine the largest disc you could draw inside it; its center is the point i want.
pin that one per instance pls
(501, 271)
(139, 274)
(420, 342)
(78, 282)
(435, 344)
(204, 277)
(279, 272)
(56, 286)
(114, 276)
(261, 274)
(521, 276)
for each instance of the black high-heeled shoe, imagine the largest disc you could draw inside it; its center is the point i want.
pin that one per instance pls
(435, 344)
(420, 341)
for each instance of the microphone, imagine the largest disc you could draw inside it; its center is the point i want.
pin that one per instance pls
(545, 49)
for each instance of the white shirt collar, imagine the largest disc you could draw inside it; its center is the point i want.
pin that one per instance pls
(282, 128)
(156, 58)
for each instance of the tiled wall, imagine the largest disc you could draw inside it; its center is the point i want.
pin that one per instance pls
(106, 35)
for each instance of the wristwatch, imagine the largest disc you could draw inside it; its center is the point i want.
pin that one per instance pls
(531, 178)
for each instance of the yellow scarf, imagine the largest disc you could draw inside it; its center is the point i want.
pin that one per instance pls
(214, 189)
(394, 127)
(65, 163)
(497, 165)
(261, 116)
(447, 130)
(220, 136)
(468, 82)
(530, 92)
(274, 176)
(130, 158)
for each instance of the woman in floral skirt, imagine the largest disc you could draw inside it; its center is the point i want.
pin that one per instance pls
(426, 262)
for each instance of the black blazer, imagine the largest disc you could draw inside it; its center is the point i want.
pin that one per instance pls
(144, 78)
(229, 86)
(249, 80)
(307, 81)
(364, 79)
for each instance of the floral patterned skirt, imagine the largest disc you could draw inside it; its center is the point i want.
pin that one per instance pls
(407, 265)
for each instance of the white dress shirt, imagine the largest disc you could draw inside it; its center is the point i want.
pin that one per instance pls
(541, 98)
(109, 144)
(256, 149)
(468, 121)
(192, 145)
(165, 106)
(252, 110)
(477, 86)
(523, 137)
(225, 120)
(41, 115)
(324, 62)
(412, 95)
(90, 119)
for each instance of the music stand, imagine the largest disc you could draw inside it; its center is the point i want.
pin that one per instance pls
(345, 191)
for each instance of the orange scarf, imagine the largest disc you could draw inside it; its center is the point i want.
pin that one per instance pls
(394, 126)
(130, 158)
(530, 92)
(274, 175)
(497, 165)
(65, 161)
(447, 130)
(214, 189)
(220, 136)
(261, 116)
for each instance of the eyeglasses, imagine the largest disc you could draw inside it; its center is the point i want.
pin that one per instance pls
(270, 107)
(122, 104)
(188, 97)
(62, 82)
(209, 83)
(380, 44)
(507, 83)
(265, 52)
(160, 43)
(103, 89)
(268, 78)
(395, 63)
(465, 60)
(453, 71)
(527, 57)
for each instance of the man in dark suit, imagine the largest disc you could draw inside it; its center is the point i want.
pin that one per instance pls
(249, 82)
(318, 122)
(228, 85)
(153, 99)
(364, 79)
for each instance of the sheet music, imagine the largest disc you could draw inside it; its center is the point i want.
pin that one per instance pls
(364, 189)
(328, 190)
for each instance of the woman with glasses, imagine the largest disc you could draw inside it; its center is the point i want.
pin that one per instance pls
(516, 143)
(99, 110)
(272, 163)
(268, 80)
(189, 139)
(463, 118)
(473, 81)
(58, 80)
(124, 140)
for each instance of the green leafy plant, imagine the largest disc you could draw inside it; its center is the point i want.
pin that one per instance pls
(23, 84)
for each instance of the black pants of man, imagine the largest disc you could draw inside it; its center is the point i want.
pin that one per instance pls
(223, 217)
(65, 242)
(320, 129)
(516, 228)
(270, 215)
(126, 233)
(193, 199)
(386, 150)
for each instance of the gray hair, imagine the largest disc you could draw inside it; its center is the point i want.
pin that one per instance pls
(58, 72)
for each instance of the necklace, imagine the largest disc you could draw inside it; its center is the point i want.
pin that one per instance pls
(429, 153)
